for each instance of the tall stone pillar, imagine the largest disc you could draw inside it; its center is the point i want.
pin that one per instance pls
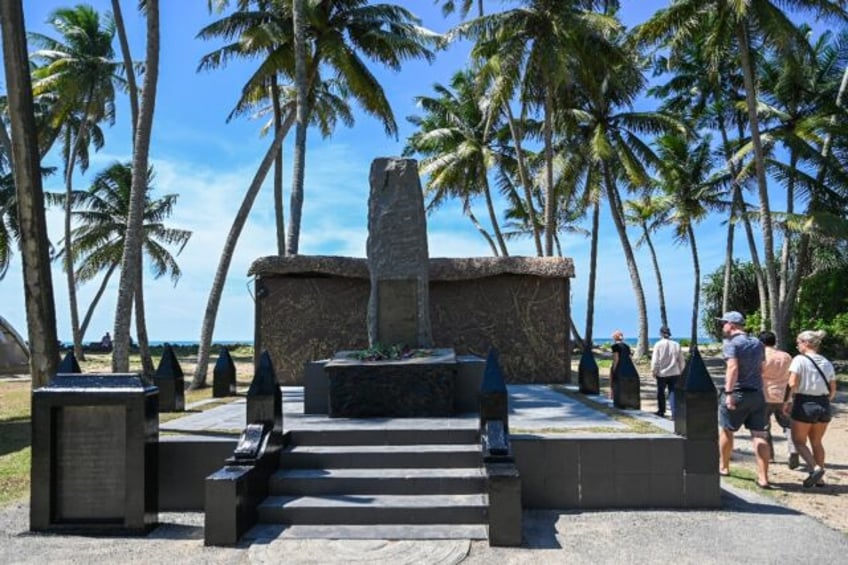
(398, 258)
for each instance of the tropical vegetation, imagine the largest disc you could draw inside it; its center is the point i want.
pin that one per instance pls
(559, 116)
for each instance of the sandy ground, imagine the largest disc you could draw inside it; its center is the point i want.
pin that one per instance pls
(823, 503)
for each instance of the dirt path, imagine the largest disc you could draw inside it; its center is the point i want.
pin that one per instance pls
(822, 503)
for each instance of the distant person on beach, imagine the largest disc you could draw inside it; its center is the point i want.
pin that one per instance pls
(667, 365)
(742, 401)
(619, 348)
(812, 386)
(775, 379)
(106, 342)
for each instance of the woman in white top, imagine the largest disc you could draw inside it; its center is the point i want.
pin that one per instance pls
(812, 385)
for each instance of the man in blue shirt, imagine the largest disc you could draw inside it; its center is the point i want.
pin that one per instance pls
(742, 401)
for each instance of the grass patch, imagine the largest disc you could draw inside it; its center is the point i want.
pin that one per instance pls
(634, 425)
(14, 441)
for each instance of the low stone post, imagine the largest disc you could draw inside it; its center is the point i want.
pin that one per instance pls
(224, 375)
(69, 365)
(494, 399)
(503, 481)
(587, 373)
(698, 423)
(170, 381)
(625, 390)
(264, 398)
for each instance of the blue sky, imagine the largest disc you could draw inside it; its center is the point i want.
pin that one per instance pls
(209, 163)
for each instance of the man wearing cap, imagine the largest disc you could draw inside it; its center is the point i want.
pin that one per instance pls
(742, 400)
(666, 365)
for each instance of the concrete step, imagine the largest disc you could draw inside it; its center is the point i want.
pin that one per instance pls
(312, 482)
(380, 456)
(394, 436)
(375, 509)
(371, 531)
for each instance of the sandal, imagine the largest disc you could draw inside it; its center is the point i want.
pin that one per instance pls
(724, 473)
(765, 486)
(814, 477)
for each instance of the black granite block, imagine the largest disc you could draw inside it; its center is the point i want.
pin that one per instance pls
(94, 455)
(504, 490)
(700, 456)
(170, 381)
(632, 456)
(703, 490)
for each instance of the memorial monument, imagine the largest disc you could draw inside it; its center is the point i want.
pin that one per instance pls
(401, 375)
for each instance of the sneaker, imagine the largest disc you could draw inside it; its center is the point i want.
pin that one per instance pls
(814, 477)
(660, 414)
(794, 461)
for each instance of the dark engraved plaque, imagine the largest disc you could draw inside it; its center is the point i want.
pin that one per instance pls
(397, 312)
(90, 463)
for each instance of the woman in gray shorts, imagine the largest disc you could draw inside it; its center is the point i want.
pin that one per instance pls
(812, 385)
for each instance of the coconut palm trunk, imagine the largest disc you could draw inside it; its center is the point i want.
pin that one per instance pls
(38, 284)
(523, 178)
(762, 186)
(635, 279)
(299, 160)
(657, 274)
(208, 327)
(696, 264)
(96, 300)
(550, 198)
(132, 87)
(279, 206)
(71, 158)
(593, 273)
(131, 260)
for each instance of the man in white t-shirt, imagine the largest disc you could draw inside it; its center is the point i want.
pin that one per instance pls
(667, 365)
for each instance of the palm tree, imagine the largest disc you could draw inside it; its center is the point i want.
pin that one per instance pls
(799, 106)
(457, 147)
(130, 287)
(685, 19)
(689, 193)
(10, 231)
(534, 44)
(613, 136)
(648, 214)
(301, 113)
(80, 75)
(339, 32)
(38, 285)
(102, 214)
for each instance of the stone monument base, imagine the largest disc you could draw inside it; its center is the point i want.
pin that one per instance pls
(419, 387)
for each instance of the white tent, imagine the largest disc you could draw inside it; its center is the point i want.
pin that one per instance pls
(14, 353)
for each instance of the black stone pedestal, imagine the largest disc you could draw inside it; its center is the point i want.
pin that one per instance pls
(418, 387)
(94, 455)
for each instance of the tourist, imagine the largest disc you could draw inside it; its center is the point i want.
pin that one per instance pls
(812, 385)
(619, 348)
(106, 342)
(742, 400)
(775, 379)
(667, 365)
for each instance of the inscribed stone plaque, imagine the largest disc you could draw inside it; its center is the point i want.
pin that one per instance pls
(90, 447)
(397, 312)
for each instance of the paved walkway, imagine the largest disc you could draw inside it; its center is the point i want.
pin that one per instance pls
(748, 529)
(533, 408)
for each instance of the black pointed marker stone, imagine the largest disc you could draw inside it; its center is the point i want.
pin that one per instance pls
(625, 392)
(69, 364)
(587, 373)
(170, 381)
(224, 375)
(494, 404)
(264, 398)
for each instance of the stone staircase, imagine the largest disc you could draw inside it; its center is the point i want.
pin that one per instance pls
(421, 483)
